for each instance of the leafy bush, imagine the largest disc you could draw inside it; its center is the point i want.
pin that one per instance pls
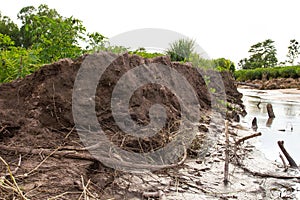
(224, 64)
(276, 72)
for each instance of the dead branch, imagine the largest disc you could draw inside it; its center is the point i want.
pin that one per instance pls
(15, 187)
(72, 154)
(2, 128)
(287, 155)
(58, 153)
(238, 142)
(17, 168)
(44, 160)
(258, 104)
(283, 161)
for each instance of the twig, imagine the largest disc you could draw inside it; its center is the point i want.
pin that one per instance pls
(18, 166)
(226, 166)
(287, 155)
(61, 195)
(69, 132)
(85, 189)
(16, 169)
(4, 127)
(38, 166)
(238, 142)
(13, 179)
(258, 104)
(283, 161)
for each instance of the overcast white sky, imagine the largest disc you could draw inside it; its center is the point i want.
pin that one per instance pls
(223, 28)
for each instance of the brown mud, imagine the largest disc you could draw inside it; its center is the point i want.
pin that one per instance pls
(39, 141)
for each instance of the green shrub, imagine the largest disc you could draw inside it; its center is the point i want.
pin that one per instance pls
(287, 72)
(17, 62)
(276, 72)
(143, 53)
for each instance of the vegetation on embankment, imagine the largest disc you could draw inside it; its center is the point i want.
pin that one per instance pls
(267, 73)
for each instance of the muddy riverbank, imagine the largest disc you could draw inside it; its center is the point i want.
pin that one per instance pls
(44, 157)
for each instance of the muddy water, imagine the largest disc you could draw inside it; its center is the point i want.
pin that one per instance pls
(285, 126)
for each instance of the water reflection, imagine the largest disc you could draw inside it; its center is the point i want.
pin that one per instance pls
(285, 126)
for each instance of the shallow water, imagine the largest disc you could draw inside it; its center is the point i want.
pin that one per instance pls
(285, 126)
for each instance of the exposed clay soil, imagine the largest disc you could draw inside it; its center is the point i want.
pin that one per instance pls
(36, 123)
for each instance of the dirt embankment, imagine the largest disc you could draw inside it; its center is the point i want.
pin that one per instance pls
(36, 119)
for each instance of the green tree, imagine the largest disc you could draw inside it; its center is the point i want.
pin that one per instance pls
(9, 28)
(224, 64)
(31, 24)
(181, 50)
(53, 35)
(293, 51)
(262, 55)
(5, 42)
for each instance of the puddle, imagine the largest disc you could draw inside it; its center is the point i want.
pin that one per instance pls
(285, 126)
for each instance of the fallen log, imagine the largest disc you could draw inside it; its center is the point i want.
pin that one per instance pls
(287, 155)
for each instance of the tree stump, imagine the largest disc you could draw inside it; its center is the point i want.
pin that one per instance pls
(254, 124)
(270, 110)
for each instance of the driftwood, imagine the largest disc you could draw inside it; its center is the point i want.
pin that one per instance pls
(287, 155)
(270, 111)
(248, 84)
(246, 138)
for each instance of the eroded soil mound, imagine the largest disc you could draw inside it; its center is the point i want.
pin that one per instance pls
(36, 119)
